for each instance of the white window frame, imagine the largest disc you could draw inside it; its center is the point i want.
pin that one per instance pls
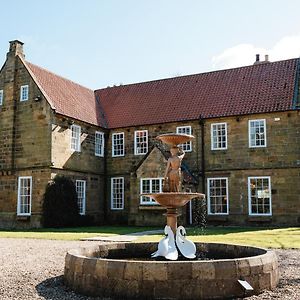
(136, 143)
(208, 196)
(212, 136)
(113, 205)
(249, 196)
(99, 143)
(24, 91)
(76, 140)
(249, 133)
(113, 152)
(187, 147)
(152, 201)
(1, 97)
(81, 200)
(19, 213)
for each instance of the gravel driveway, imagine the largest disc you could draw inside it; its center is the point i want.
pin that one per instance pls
(33, 269)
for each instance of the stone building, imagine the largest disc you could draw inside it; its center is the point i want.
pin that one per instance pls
(245, 156)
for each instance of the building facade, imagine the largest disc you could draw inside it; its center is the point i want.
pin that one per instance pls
(245, 156)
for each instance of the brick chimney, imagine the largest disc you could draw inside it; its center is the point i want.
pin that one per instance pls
(15, 48)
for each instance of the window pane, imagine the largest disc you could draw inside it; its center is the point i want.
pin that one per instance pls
(219, 136)
(218, 201)
(260, 195)
(24, 196)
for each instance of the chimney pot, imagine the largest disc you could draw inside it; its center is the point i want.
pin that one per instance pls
(257, 58)
(267, 57)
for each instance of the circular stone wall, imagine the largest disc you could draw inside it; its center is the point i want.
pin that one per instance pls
(124, 270)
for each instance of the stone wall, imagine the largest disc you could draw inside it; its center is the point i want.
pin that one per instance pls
(280, 160)
(36, 142)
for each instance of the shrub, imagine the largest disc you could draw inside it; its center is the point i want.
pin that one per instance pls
(60, 208)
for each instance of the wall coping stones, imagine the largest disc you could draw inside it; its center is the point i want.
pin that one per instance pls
(107, 270)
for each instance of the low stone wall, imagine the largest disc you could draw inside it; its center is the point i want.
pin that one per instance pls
(107, 271)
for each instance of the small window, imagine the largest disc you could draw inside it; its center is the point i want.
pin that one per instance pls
(257, 133)
(150, 185)
(217, 196)
(80, 190)
(118, 148)
(187, 147)
(24, 196)
(99, 143)
(117, 193)
(259, 194)
(219, 136)
(140, 142)
(24, 93)
(1, 97)
(75, 138)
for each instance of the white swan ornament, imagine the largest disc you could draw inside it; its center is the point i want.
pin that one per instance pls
(166, 246)
(186, 247)
(163, 245)
(172, 250)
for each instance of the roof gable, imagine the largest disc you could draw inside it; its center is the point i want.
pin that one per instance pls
(67, 97)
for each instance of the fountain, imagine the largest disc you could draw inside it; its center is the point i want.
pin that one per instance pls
(172, 198)
(147, 270)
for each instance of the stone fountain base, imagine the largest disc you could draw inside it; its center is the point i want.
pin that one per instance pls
(124, 271)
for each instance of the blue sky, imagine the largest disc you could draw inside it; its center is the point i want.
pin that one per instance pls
(99, 43)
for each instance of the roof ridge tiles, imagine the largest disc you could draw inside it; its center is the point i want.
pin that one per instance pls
(196, 74)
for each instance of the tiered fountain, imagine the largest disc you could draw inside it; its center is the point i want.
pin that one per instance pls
(127, 271)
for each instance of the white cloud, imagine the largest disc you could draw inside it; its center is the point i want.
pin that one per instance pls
(244, 54)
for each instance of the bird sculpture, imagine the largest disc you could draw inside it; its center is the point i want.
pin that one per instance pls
(186, 247)
(166, 246)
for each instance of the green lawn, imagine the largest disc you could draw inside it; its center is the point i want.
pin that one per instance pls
(284, 238)
(71, 234)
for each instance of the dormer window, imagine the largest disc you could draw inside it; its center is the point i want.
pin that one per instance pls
(24, 93)
(1, 97)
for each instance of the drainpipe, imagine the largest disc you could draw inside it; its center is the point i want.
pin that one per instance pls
(105, 185)
(201, 123)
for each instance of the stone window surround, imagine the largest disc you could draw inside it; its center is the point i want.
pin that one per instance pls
(139, 147)
(1, 97)
(249, 196)
(251, 145)
(209, 196)
(117, 198)
(75, 138)
(24, 92)
(99, 143)
(20, 181)
(81, 195)
(118, 136)
(187, 147)
(217, 125)
(150, 201)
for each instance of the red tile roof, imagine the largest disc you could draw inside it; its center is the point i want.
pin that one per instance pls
(67, 97)
(261, 88)
(266, 87)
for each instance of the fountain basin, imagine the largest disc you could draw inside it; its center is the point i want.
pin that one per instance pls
(174, 139)
(174, 199)
(124, 271)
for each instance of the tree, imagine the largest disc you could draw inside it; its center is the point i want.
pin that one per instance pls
(60, 207)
